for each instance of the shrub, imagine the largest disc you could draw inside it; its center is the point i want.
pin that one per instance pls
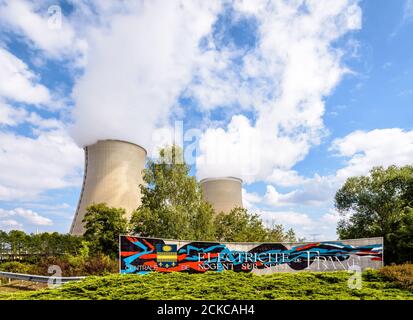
(401, 274)
(16, 267)
(72, 266)
(100, 265)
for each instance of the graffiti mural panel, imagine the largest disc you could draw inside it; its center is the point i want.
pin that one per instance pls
(143, 255)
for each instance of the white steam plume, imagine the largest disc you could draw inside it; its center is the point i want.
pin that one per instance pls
(138, 64)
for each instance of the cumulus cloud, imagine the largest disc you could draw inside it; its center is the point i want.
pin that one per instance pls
(28, 216)
(43, 26)
(305, 225)
(10, 224)
(18, 82)
(290, 218)
(284, 77)
(366, 149)
(316, 191)
(286, 178)
(362, 150)
(10, 116)
(32, 165)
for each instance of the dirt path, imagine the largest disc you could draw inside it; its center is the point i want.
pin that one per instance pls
(20, 285)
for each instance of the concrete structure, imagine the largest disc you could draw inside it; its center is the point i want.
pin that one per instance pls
(113, 173)
(224, 194)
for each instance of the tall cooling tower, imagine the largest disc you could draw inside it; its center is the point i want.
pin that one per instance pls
(113, 173)
(224, 194)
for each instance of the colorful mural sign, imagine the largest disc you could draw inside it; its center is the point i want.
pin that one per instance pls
(143, 255)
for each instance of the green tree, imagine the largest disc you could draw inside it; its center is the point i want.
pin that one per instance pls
(172, 203)
(18, 242)
(379, 205)
(103, 226)
(276, 234)
(3, 242)
(241, 226)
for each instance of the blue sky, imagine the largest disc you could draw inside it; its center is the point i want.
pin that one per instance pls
(291, 96)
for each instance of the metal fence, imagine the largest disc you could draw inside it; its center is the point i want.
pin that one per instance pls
(36, 278)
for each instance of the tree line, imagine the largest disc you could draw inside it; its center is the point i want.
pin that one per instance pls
(377, 205)
(17, 244)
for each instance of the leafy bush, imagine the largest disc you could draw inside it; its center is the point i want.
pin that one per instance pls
(17, 267)
(401, 274)
(79, 266)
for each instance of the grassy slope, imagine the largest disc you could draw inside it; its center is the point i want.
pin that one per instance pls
(226, 285)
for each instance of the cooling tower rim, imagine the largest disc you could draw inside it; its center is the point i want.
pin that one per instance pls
(118, 140)
(210, 179)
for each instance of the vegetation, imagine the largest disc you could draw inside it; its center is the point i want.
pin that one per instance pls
(400, 274)
(19, 245)
(380, 205)
(225, 285)
(173, 207)
(33, 254)
(240, 226)
(103, 226)
(70, 265)
(172, 204)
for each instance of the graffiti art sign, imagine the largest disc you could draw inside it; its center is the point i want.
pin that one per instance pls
(143, 255)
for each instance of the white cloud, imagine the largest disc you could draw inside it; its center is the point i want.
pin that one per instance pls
(32, 165)
(18, 83)
(331, 218)
(10, 116)
(286, 178)
(32, 217)
(138, 64)
(249, 199)
(321, 228)
(315, 191)
(380, 147)
(28, 216)
(34, 21)
(10, 224)
(283, 79)
(363, 151)
(290, 218)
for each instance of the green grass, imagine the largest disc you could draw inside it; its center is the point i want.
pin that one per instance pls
(225, 285)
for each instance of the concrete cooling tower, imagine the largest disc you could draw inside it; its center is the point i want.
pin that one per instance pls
(224, 194)
(113, 173)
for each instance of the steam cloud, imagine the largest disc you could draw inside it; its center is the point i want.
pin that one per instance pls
(143, 58)
(137, 66)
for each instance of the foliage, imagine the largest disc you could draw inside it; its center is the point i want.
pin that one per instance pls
(173, 207)
(16, 267)
(226, 285)
(240, 226)
(172, 204)
(18, 244)
(78, 266)
(401, 274)
(379, 205)
(103, 226)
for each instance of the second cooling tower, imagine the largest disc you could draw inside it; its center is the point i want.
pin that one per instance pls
(224, 194)
(113, 173)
